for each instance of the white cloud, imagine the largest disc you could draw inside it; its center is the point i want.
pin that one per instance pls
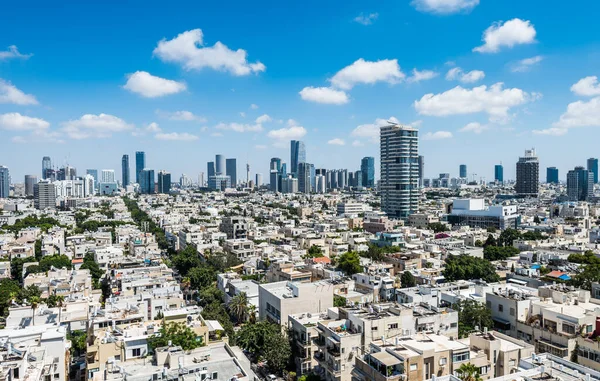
(150, 86)
(176, 136)
(95, 126)
(13, 52)
(368, 72)
(239, 127)
(337, 142)
(10, 94)
(325, 95)
(444, 6)
(292, 132)
(474, 127)
(587, 86)
(243, 114)
(366, 19)
(371, 131)
(424, 75)
(581, 114)
(438, 135)
(526, 64)
(554, 131)
(264, 118)
(495, 101)
(16, 122)
(254, 106)
(357, 143)
(188, 50)
(508, 34)
(181, 116)
(469, 77)
(153, 127)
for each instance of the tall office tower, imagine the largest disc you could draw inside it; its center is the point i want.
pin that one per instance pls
(275, 180)
(462, 171)
(341, 180)
(93, 173)
(201, 179)
(321, 184)
(289, 185)
(89, 185)
(275, 164)
(125, 171)
(259, 180)
(580, 184)
(333, 179)
(219, 182)
(351, 182)
(30, 181)
(399, 146)
(231, 171)
(66, 173)
(210, 169)
(421, 162)
(219, 165)
(147, 181)
(313, 178)
(247, 173)
(44, 195)
(298, 155)
(107, 176)
(367, 167)
(528, 175)
(140, 164)
(304, 182)
(46, 167)
(283, 170)
(184, 181)
(358, 179)
(4, 182)
(592, 166)
(164, 182)
(552, 175)
(499, 173)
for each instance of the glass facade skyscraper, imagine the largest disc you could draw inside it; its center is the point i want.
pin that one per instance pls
(528, 175)
(552, 175)
(580, 184)
(140, 164)
(46, 167)
(125, 171)
(164, 182)
(231, 171)
(219, 165)
(592, 166)
(462, 171)
(367, 169)
(147, 181)
(499, 173)
(210, 169)
(298, 155)
(4, 182)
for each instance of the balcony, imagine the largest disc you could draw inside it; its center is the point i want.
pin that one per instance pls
(319, 342)
(333, 351)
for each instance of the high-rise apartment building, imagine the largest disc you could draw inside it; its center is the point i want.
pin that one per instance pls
(201, 179)
(107, 176)
(259, 180)
(399, 147)
(499, 173)
(125, 179)
(219, 182)
(298, 155)
(592, 166)
(4, 182)
(164, 182)
(147, 181)
(275, 180)
(44, 195)
(304, 178)
(231, 171)
(552, 175)
(367, 168)
(321, 182)
(462, 171)
(140, 164)
(580, 184)
(219, 165)
(421, 162)
(528, 175)
(46, 167)
(30, 181)
(289, 185)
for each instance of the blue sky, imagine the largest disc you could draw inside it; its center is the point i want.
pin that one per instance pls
(89, 82)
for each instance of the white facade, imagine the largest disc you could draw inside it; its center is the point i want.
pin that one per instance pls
(107, 176)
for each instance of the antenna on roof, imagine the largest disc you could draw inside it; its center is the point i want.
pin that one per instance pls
(392, 122)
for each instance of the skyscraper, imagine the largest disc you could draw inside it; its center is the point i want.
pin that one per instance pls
(275, 164)
(125, 170)
(421, 162)
(499, 173)
(107, 176)
(46, 167)
(399, 146)
(30, 181)
(462, 171)
(219, 165)
(44, 195)
(231, 171)
(259, 180)
(210, 169)
(140, 164)
(367, 168)
(298, 155)
(164, 182)
(4, 182)
(552, 175)
(592, 166)
(147, 181)
(580, 184)
(304, 180)
(528, 175)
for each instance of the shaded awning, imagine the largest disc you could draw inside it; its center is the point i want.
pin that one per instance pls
(214, 325)
(501, 323)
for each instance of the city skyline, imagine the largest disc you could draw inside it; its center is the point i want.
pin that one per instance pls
(250, 108)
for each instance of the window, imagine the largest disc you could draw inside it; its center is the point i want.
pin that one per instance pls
(500, 308)
(413, 367)
(215, 375)
(512, 312)
(373, 328)
(512, 363)
(460, 357)
(483, 370)
(443, 361)
(568, 328)
(453, 325)
(393, 326)
(136, 352)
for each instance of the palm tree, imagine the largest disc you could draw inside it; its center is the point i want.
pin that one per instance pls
(34, 301)
(238, 306)
(252, 314)
(60, 302)
(186, 283)
(468, 372)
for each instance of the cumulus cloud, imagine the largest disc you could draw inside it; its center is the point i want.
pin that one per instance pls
(424, 75)
(254, 106)
(336, 142)
(239, 127)
(368, 72)
(16, 122)
(438, 135)
(13, 52)
(587, 87)
(95, 126)
(367, 19)
(508, 34)
(153, 127)
(370, 131)
(472, 76)
(474, 127)
(495, 101)
(176, 136)
(283, 135)
(188, 50)
(444, 6)
(181, 116)
(526, 64)
(264, 118)
(325, 95)
(10, 94)
(581, 114)
(150, 86)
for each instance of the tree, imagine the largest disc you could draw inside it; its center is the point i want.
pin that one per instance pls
(34, 301)
(265, 340)
(468, 372)
(574, 355)
(238, 306)
(490, 241)
(407, 280)
(201, 277)
(9, 290)
(496, 253)
(315, 252)
(178, 334)
(89, 263)
(57, 261)
(491, 229)
(185, 284)
(508, 236)
(339, 301)
(437, 227)
(464, 267)
(350, 263)
(38, 249)
(478, 243)
(472, 314)
(277, 351)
